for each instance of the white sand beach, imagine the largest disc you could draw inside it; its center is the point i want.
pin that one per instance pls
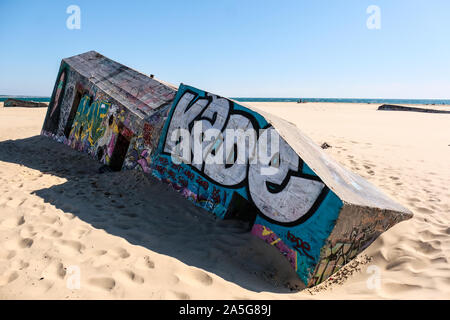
(131, 237)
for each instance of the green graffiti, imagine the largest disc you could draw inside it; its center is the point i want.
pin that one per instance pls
(88, 123)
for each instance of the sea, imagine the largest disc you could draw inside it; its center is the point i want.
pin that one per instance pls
(350, 100)
(241, 99)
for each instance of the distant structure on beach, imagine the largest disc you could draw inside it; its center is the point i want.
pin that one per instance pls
(24, 103)
(390, 107)
(318, 214)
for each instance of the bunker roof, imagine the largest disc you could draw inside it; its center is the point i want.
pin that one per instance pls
(137, 92)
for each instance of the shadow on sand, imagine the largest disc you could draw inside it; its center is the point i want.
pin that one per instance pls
(148, 213)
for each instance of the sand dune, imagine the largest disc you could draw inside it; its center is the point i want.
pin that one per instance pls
(132, 238)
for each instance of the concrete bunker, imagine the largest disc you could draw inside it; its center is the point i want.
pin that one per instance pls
(318, 214)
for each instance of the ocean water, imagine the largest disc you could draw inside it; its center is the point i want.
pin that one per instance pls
(349, 100)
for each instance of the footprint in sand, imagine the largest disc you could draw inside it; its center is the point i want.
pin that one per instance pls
(31, 230)
(71, 246)
(55, 270)
(202, 277)
(104, 257)
(103, 283)
(69, 215)
(129, 275)
(197, 277)
(80, 232)
(20, 265)
(173, 279)
(48, 219)
(8, 278)
(178, 295)
(99, 253)
(53, 233)
(121, 253)
(13, 222)
(16, 203)
(25, 243)
(145, 263)
(7, 254)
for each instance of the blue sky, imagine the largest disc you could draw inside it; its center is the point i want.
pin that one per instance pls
(247, 48)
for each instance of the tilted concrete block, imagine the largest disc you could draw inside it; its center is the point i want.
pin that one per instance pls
(317, 213)
(364, 211)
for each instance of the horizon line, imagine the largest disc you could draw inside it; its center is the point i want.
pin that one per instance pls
(247, 97)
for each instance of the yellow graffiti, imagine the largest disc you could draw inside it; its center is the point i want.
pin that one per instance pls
(266, 232)
(88, 123)
(275, 241)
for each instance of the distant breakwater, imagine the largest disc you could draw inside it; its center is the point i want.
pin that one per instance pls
(35, 99)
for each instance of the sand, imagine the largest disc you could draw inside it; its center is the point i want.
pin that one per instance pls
(132, 238)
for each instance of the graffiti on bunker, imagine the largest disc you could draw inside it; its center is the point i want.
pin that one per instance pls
(295, 211)
(54, 110)
(146, 140)
(89, 120)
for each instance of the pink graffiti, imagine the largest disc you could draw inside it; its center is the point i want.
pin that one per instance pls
(111, 145)
(271, 238)
(144, 165)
